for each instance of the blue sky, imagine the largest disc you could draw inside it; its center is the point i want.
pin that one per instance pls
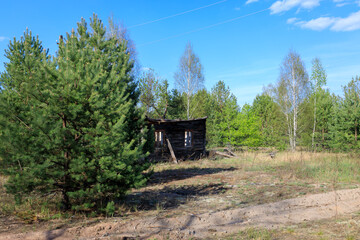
(240, 42)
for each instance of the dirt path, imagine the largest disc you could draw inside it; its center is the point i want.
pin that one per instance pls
(216, 224)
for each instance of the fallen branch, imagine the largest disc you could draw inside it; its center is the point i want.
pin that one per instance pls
(223, 154)
(230, 152)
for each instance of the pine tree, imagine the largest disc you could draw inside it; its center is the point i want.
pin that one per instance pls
(345, 127)
(80, 132)
(221, 125)
(22, 107)
(248, 128)
(324, 117)
(201, 106)
(318, 78)
(177, 108)
(272, 121)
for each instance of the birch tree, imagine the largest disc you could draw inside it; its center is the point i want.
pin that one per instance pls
(189, 78)
(118, 30)
(318, 79)
(154, 94)
(290, 91)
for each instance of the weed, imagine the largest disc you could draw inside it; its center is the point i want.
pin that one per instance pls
(159, 207)
(350, 237)
(256, 233)
(110, 209)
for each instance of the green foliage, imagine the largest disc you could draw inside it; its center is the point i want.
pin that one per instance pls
(272, 128)
(318, 75)
(220, 125)
(256, 233)
(110, 209)
(290, 92)
(293, 112)
(344, 129)
(154, 94)
(177, 108)
(249, 126)
(227, 125)
(305, 122)
(201, 107)
(327, 105)
(318, 80)
(71, 123)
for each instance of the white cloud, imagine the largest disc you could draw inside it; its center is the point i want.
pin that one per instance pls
(286, 5)
(292, 20)
(251, 1)
(341, 3)
(350, 23)
(3, 38)
(317, 24)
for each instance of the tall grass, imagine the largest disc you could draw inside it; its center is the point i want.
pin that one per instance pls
(319, 167)
(32, 209)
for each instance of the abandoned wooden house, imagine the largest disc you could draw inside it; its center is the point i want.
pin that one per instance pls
(178, 139)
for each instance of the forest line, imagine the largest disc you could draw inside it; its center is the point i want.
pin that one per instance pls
(296, 110)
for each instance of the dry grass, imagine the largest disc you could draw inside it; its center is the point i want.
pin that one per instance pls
(347, 228)
(250, 179)
(195, 187)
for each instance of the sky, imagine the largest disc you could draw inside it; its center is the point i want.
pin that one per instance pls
(242, 42)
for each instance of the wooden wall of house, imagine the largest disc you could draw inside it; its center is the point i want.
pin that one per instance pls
(175, 132)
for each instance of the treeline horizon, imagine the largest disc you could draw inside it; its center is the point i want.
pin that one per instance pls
(296, 110)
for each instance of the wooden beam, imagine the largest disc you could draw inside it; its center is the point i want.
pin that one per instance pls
(230, 152)
(171, 151)
(223, 154)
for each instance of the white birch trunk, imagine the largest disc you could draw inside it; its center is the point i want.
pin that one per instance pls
(294, 107)
(314, 128)
(188, 87)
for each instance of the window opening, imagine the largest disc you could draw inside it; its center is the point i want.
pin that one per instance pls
(159, 138)
(188, 138)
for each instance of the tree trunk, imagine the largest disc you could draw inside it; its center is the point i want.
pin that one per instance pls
(294, 88)
(188, 106)
(313, 134)
(356, 131)
(188, 87)
(288, 120)
(66, 179)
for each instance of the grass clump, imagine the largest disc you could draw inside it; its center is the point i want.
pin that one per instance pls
(255, 234)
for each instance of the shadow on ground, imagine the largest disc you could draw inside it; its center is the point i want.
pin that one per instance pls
(171, 197)
(183, 173)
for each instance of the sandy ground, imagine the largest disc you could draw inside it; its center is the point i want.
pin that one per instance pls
(212, 224)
